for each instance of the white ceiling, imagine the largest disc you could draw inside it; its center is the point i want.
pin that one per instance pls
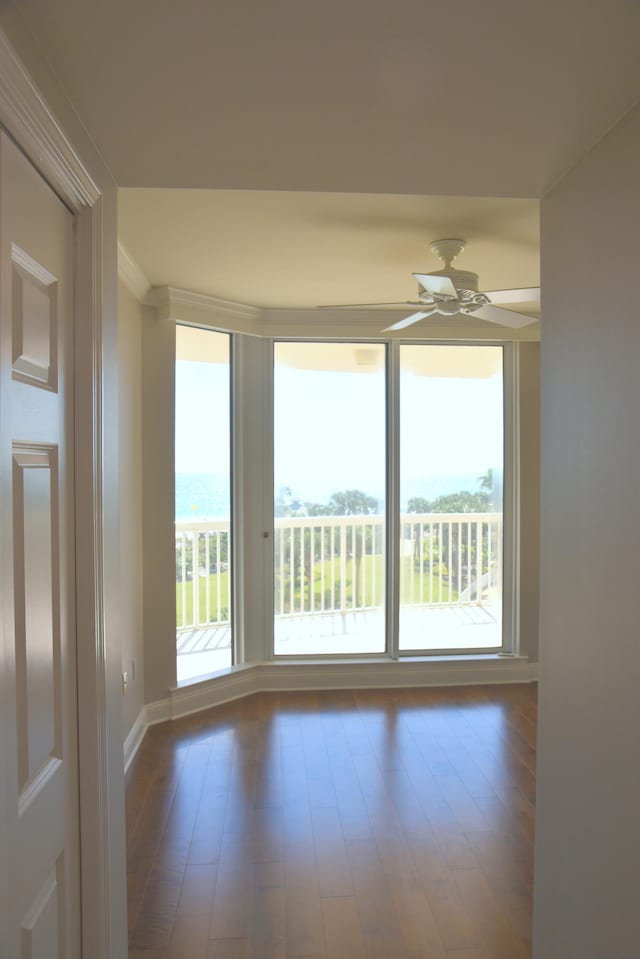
(497, 98)
(284, 249)
(313, 150)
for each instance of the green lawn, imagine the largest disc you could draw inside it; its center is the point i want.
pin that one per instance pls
(213, 587)
(409, 577)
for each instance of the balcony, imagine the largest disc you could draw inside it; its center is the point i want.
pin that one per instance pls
(330, 582)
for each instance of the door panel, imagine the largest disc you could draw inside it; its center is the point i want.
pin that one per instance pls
(39, 723)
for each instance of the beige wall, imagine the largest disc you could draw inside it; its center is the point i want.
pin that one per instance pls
(588, 847)
(529, 497)
(130, 449)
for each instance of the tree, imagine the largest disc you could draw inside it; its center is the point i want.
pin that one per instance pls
(318, 509)
(487, 480)
(462, 502)
(285, 504)
(352, 502)
(418, 504)
(439, 544)
(490, 484)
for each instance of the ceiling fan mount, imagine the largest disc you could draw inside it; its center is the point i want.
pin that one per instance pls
(449, 291)
(465, 297)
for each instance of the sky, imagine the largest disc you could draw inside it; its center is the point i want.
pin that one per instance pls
(329, 428)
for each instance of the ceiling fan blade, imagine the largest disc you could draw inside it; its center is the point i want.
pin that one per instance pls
(496, 314)
(530, 294)
(440, 285)
(407, 321)
(362, 306)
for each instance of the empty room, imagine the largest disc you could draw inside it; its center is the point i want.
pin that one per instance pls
(318, 459)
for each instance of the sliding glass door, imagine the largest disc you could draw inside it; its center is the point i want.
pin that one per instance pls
(329, 509)
(203, 502)
(451, 497)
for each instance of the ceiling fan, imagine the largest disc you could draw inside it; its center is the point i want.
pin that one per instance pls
(450, 291)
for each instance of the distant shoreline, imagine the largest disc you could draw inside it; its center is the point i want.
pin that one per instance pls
(207, 496)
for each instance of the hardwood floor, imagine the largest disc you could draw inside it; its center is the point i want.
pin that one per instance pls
(386, 824)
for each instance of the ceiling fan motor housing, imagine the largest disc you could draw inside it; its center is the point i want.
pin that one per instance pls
(461, 279)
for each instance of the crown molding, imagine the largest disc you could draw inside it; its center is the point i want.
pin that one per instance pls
(26, 116)
(201, 309)
(341, 324)
(131, 274)
(185, 306)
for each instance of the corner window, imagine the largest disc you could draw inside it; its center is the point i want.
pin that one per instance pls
(204, 635)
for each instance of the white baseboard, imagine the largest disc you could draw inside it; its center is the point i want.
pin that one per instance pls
(149, 715)
(242, 681)
(235, 683)
(158, 712)
(355, 674)
(445, 671)
(135, 737)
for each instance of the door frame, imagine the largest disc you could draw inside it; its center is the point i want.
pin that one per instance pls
(27, 118)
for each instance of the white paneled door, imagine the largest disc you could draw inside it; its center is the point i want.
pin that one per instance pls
(40, 826)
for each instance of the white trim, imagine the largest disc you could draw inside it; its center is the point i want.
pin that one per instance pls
(157, 712)
(200, 309)
(31, 266)
(238, 486)
(345, 324)
(406, 672)
(392, 443)
(131, 274)
(267, 454)
(92, 655)
(28, 119)
(134, 737)
(241, 681)
(237, 682)
(511, 503)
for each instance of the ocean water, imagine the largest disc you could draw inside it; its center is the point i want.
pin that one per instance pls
(202, 496)
(208, 496)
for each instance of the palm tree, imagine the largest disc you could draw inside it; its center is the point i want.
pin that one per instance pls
(487, 480)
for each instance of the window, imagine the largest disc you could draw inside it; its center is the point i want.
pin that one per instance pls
(330, 495)
(391, 511)
(203, 502)
(451, 497)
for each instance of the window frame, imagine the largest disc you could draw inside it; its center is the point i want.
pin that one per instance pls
(510, 516)
(510, 556)
(233, 593)
(386, 653)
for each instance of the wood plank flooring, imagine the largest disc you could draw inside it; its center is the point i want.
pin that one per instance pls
(386, 824)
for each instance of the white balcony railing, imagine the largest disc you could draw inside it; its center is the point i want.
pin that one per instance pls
(335, 564)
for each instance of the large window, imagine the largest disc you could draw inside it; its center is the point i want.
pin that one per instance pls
(451, 500)
(388, 509)
(332, 460)
(329, 511)
(203, 502)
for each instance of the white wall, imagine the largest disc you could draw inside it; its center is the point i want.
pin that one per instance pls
(587, 886)
(158, 464)
(130, 452)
